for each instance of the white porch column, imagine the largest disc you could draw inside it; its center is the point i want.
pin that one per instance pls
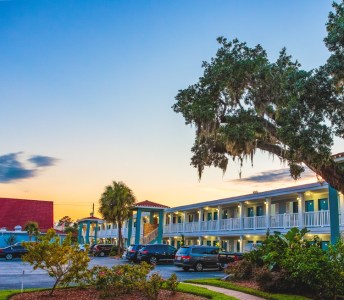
(171, 220)
(341, 208)
(301, 208)
(241, 243)
(219, 217)
(241, 215)
(268, 212)
(200, 212)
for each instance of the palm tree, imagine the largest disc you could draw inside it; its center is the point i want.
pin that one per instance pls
(115, 204)
(31, 228)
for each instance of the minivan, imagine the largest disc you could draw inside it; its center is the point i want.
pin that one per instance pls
(197, 257)
(156, 252)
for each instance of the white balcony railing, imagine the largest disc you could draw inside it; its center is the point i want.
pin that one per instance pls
(284, 220)
(316, 218)
(230, 224)
(191, 226)
(209, 225)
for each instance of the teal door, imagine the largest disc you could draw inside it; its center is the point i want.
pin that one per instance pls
(208, 243)
(309, 205)
(260, 211)
(250, 212)
(295, 207)
(209, 216)
(216, 215)
(323, 204)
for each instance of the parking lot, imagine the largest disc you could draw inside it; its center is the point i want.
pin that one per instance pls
(15, 273)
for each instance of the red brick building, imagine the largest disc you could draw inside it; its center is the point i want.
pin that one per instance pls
(15, 212)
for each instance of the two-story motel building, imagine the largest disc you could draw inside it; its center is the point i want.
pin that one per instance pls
(235, 223)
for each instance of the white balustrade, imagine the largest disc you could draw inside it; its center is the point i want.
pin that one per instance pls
(260, 222)
(230, 224)
(191, 226)
(208, 225)
(249, 223)
(317, 218)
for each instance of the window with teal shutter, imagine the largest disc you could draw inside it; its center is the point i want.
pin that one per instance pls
(323, 204)
(260, 211)
(209, 216)
(250, 212)
(216, 215)
(309, 205)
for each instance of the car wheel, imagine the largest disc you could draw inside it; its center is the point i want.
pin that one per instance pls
(186, 269)
(153, 260)
(9, 256)
(199, 267)
(102, 254)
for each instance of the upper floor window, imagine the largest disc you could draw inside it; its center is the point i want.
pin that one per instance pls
(323, 204)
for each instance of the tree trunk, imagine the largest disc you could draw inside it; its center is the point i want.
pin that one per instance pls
(119, 238)
(54, 287)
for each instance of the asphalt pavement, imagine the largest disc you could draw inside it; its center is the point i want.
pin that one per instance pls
(15, 274)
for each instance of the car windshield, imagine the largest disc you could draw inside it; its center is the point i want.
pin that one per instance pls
(184, 250)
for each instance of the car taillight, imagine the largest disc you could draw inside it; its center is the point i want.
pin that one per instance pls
(144, 252)
(1, 250)
(132, 251)
(185, 256)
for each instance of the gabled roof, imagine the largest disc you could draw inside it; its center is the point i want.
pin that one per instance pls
(150, 204)
(15, 212)
(90, 218)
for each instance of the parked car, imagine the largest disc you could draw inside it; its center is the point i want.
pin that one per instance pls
(131, 252)
(225, 258)
(101, 249)
(156, 252)
(12, 251)
(197, 257)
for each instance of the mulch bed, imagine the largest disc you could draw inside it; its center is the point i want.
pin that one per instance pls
(93, 294)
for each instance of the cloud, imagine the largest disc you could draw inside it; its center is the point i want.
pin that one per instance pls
(274, 176)
(13, 166)
(42, 161)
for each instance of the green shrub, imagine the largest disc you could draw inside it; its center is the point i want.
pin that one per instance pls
(152, 286)
(120, 279)
(240, 270)
(172, 283)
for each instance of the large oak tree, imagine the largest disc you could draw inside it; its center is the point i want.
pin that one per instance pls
(244, 102)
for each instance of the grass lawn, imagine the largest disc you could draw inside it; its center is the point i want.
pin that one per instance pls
(182, 287)
(233, 286)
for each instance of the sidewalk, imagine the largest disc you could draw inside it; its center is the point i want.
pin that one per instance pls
(238, 295)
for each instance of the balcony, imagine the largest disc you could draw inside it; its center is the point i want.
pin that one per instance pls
(284, 221)
(316, 219)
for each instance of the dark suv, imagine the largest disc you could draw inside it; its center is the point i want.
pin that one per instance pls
(197, 257)
(101, 249)
(132, 252)
(156, 252)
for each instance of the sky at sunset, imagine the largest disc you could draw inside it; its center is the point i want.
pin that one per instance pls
(86, 89)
